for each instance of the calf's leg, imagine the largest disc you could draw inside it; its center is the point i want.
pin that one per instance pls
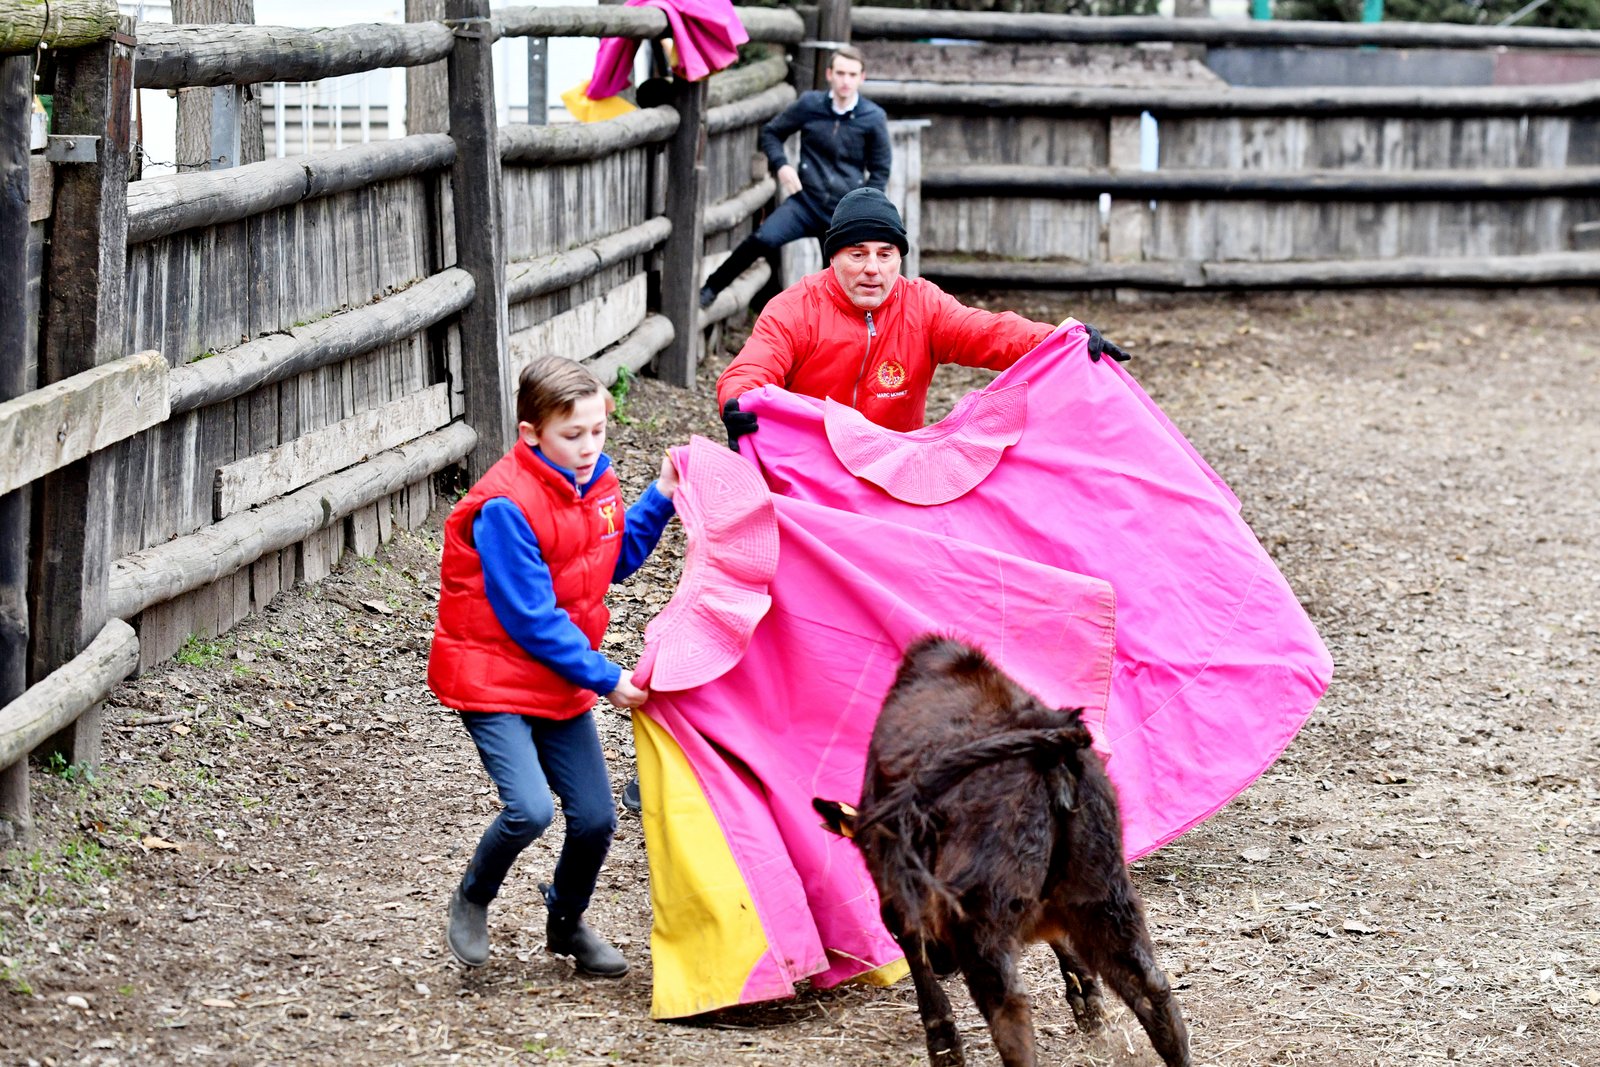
(1083, 992)
(1113, 939)
(992, 980)
(944, 1043)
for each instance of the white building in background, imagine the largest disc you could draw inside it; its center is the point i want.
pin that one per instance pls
(302, 117)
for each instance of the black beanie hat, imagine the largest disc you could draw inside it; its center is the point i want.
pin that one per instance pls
(864, 215)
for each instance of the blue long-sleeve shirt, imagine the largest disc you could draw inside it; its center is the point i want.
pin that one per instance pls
(517, 580)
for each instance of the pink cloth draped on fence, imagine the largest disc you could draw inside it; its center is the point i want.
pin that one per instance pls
(706, 34)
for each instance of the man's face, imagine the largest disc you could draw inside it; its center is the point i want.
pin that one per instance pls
(867, 272)
(844, 77)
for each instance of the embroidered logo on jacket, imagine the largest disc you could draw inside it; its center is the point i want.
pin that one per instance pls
(608, 512)
(891, 375)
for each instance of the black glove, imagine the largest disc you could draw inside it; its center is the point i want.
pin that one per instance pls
(737, 422)
(1099, 346)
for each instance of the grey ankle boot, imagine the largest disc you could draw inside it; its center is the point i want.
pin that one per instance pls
(468, 932)
(572, 937)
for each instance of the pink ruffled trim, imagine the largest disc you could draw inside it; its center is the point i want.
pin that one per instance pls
(732, 555)
(938, 463)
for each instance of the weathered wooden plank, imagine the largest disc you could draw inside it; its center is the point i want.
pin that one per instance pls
(168, 570)
(955, 182)
(67, 420)
(635, 351)
(680, 266)
(751, 110)
(26, 24)
(41, 185)
(58, 699)
(926, 98)
(319, 344)
(584, 330)
(584, 141)
(737, 83)
(762, 24)
(17, 330)
(726, 214)
(1555, 268)
(174, 57)
(254, 479)
(529, 278)
(82, 326)
(916, 25)
(170, 203)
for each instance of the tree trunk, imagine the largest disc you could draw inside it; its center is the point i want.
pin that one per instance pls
(427, 88)
(195, 151)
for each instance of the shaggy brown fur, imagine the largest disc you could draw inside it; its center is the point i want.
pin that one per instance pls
(988, 823)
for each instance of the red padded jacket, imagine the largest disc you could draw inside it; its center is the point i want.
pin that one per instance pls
(474, 665)
(810, 339)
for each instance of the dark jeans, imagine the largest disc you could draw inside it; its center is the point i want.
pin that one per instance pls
(795, 218)
(527, 758)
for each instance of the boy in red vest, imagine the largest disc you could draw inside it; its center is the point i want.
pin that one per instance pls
(528, 555)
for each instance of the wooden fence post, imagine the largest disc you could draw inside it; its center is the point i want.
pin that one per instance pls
(427, 86)
(833, 30)
(16, 113)
(480, 236)
(680, 258)
(81, 324)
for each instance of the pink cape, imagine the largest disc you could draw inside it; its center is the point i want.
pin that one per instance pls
(1008, 524)
(769, 706)
(706, 34)
(1217, 665)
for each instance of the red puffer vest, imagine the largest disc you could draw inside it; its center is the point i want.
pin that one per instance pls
(474, 664)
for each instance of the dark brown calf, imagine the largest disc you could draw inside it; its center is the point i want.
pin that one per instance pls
(988, 823)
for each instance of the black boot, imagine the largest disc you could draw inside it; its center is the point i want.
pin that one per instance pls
(566, 936)
(468, 931)
(745, 253)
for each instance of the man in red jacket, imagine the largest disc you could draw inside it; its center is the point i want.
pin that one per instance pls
(859, 333)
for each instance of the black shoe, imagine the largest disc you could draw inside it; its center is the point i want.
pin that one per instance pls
(572, 937)
(707, 296)
(468, 931)
(630, 796)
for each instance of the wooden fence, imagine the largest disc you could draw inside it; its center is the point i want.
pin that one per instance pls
(1038, 185)
(241, 374)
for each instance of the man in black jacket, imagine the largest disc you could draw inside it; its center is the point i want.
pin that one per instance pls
(844, 145)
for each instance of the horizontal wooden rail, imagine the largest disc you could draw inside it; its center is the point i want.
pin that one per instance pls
(633, 352)
(335, 339)
(738, 294)
(943, 182)
(157, 574)
(751, 110)
(921, 98)
(762, 24)
(258, 478)
(166, 205)
(736, 83)
(57, 700)
(726, 214)
(59, 24)
(579, 142)
(909, 25)
(65, 421)
(528, 278)
(173, 57)
(1551, 268)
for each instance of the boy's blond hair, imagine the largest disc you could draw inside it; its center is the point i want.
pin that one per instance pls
(549, 386)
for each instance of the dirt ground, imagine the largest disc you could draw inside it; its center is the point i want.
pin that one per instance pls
(258, 872)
